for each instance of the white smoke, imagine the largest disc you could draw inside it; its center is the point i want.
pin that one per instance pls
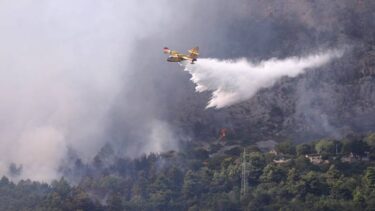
(161, 138)
(62, 65)
(233, 81)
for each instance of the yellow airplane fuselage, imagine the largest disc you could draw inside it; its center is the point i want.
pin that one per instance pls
(178, 57)
(175, 59)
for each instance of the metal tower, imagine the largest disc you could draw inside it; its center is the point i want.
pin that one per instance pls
(245, 173)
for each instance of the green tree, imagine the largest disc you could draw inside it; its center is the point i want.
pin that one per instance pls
(332, 174)
(303, 149)
(342, 188)
(273, 173)
(359, 198)
(256, 164)
(192, 185)
(61, 187)
(325, 147)
(370, 140)
(302, 164)
(140, 188)
(114, 202)
(314, 184)
(370, 177)
(357, 147)
(286, 147)
(161, 190)
(80, 200)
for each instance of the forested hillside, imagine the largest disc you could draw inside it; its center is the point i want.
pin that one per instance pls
(322, 175)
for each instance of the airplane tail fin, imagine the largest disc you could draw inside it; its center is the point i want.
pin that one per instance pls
(194, 52)
(166, 50)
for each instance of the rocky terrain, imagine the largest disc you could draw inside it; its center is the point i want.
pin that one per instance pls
(334, 100)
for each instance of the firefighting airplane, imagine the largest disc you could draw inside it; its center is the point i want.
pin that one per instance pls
(178, 57)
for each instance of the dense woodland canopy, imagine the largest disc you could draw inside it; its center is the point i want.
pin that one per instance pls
(208, 177)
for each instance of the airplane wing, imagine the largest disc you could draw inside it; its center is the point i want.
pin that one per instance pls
(168, 51)
(186, 57)
(194, 52)
(174, 53)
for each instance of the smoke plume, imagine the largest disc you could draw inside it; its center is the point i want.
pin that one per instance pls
(233, 81)
(62, 67)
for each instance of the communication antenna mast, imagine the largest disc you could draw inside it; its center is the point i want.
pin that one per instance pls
(245, 173)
